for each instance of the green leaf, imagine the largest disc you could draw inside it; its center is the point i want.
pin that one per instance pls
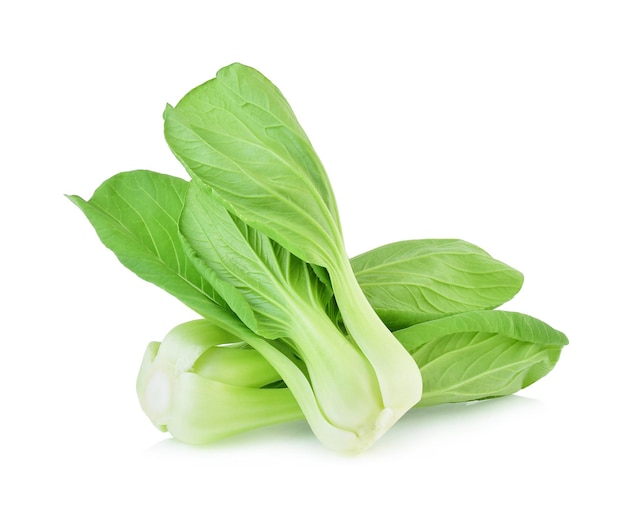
(481, 354)
(412, 281)
(135, 215)
(238, 134)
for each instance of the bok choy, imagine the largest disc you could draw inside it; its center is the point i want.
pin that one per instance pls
(292, 328)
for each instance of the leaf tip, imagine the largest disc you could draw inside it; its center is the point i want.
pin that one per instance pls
(77, 200)
(168, 109)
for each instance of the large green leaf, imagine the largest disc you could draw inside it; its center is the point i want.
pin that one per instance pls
(135, 215)
(412, 281)
(238, 134)
(481, 354)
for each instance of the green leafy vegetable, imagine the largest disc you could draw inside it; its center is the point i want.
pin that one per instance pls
(136, 215)
(291, 326)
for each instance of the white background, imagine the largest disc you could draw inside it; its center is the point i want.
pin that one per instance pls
(501, 123)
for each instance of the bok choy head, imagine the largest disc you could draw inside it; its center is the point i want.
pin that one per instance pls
(253, 244)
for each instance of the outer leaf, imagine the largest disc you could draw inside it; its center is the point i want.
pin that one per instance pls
(238, 134)
(481, 354)
(418, 280)
(135, 214)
